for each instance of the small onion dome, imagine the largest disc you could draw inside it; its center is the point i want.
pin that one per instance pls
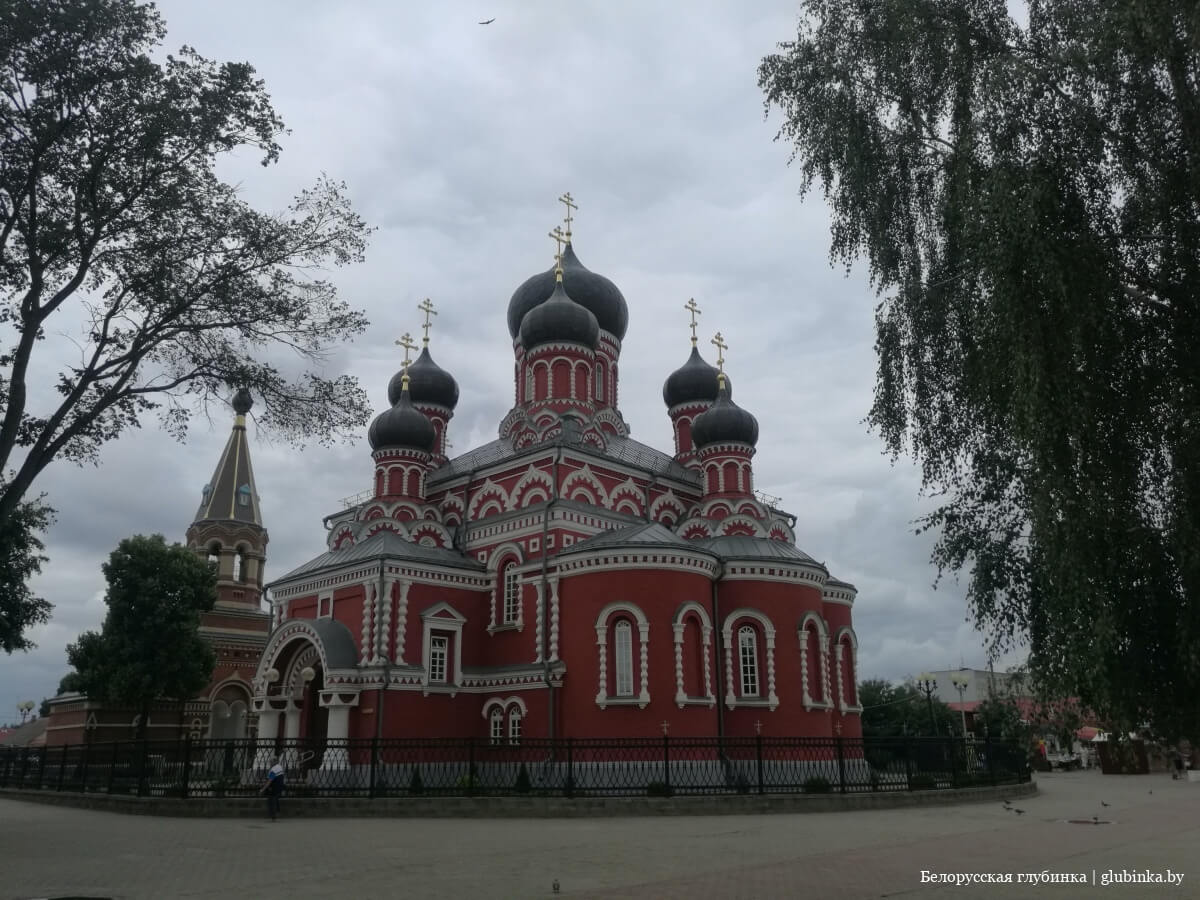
(242, 401)
(402, 426)
(559, 319)
(594, 292)
(724, 422)
(427, 383)
(694, 380)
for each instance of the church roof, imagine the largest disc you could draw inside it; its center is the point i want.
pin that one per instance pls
(623, 450)
(744, 547)
(338, 642)
(231, 494)
(384, 545)
(647, 534)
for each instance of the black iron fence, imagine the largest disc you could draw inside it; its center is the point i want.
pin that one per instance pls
(474, 767)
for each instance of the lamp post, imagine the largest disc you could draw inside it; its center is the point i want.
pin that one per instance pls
(25, 708)
(960, 680)
(927, 684)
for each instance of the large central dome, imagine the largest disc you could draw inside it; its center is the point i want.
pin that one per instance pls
(593, 292)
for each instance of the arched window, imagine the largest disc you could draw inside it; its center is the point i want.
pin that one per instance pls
(748, 660)
(244, 495)
(623, 661)
(237, 565)
(214, 557)
(600, 382)
(497, 725)
(514, 725)
(528, 385)
(510, 583)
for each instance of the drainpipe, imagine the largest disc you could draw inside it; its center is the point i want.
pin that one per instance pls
(387, 660)
(545, 611)
(719, 652)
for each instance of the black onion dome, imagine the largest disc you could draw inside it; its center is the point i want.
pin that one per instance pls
(402, 426)
(559, 319)
(242, 401)
(724, 422)
(427, 383)
(693, 381)
(593, 292)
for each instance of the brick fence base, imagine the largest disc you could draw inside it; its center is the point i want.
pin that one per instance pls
(520, 807)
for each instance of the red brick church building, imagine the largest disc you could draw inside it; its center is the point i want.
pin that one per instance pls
(563, 580)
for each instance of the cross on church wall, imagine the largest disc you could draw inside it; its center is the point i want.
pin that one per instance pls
(692, 308)
(426, 306)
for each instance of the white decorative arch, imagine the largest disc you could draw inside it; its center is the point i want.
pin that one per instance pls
(678, 626)
(729, 523)
(603, 699)
(289, 632)
(768, 629)
(839, 660)
(665, 501)
(627, 490)
(497, 556)
(233, 680)
(504, 703)
(585, 479)
(824, 701)
(489, 493)
(533, 479)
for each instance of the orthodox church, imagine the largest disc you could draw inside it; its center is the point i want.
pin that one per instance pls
(563, 580)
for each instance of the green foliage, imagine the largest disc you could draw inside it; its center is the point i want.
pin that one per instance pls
(112, 214)
(817, 785)
(20, 559)
(149, 646)
(1001, 718)
(1026, 197)
(522, 785)
(69, 684)
(897, 710)
(416, 786)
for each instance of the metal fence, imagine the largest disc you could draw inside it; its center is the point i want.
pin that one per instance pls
(475, 767)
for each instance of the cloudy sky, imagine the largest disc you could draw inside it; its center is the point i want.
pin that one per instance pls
(454, 140)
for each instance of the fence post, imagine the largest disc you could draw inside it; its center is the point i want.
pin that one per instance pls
(841, 754)
(62, 766)
(908, 751)
(143, 764)
(112, 769)
(954, 761)
(759, 760)
(374, 764)
(667, 762)
(570, 785)
(187, 766)
(83, 765)
(470, 767)
(991, 761)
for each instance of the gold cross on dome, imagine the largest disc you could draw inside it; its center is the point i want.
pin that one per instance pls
(426, 306)
(719, 343)
(691, 307)
(559, 239)
(406, 341)
(569, 202)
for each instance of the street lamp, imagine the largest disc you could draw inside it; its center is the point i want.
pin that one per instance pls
(927, 684)
(25, 708)
(960, 680)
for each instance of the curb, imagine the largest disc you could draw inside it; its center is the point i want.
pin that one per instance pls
(520, 807)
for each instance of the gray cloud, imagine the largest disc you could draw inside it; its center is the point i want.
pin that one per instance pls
(454, 140)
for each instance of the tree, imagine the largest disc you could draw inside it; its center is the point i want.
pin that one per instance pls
(149, 647)
(21, 558)
(128, 266)
(895, 710)
(1027, 197)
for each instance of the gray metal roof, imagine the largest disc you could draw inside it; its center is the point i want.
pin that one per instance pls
(385, 544)
(647, 534)
(624, 450)
(741, 547)
(340, 651)
(231, 495)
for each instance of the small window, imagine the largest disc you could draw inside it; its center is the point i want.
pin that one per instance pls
(624, 662)
(599, 382)
(244, 495)
(514, 725)
(748, 653)
(497, 725)
(512, 595)
(439, 646)
(535, 544)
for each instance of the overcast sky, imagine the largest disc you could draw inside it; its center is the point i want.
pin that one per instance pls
(454, 140)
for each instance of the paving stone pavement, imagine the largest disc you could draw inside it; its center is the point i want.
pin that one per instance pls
(62, 852)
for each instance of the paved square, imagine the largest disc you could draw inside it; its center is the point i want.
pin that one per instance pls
(48, 851)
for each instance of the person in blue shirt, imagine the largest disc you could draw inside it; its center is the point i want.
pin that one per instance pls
(274, 787)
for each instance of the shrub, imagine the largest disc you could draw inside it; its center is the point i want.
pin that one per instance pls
(659, 789)
(922, 781)
(522, 785)
(817, 784)
(415, 784)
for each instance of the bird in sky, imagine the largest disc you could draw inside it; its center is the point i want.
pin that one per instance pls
(1019, 812)
(488, 21)
(1102, 803)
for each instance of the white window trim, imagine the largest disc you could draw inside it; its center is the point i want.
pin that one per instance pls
(439, 652)
(623, 658)
(732, 700)
(706, 632)
(503, 554)
(323, 611)
(748, 669)
(510, 584)
(839, 646)
(603, 626)
(516, 725)
(824, 701)
(496, 726)
(433, 620)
